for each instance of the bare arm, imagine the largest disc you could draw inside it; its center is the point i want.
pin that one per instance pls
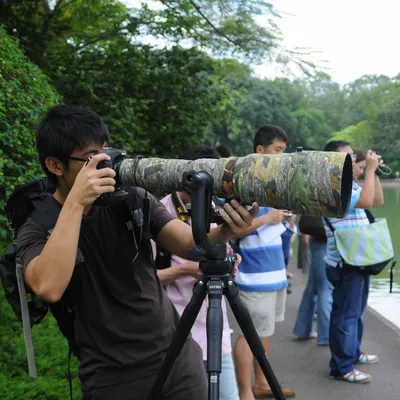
(272, 218)
(379, 198)
(171, 274)
(49, 274)
(367, 194)
(177, 237)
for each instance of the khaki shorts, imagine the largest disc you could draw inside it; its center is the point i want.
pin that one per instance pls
(265, 309)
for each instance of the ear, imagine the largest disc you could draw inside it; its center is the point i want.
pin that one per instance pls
(260, 149)
(55, 166)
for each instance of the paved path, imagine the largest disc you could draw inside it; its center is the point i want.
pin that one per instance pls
(304, 365)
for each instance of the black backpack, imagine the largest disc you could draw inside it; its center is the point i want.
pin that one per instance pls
(34, 199)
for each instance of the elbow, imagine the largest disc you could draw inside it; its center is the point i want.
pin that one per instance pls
(379, 203)
(49, 295)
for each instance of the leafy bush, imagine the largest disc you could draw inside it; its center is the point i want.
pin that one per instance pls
(25, 94)
(51, 353)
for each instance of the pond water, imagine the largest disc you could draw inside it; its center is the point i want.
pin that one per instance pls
(380, 299)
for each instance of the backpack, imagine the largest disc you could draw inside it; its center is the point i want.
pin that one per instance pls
(34, 199)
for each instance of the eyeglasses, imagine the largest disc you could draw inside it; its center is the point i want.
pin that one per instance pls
(78, 159)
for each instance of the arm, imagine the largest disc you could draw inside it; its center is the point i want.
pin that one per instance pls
(49, 274)
(367, 195)
(271, 218)
(171, 274)
(379, 198)
(177, 237)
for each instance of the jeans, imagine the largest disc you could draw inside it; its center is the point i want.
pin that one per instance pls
(318, 292)
(227, 385)
(350, 296)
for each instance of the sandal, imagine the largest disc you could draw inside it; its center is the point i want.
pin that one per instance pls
(355, 376)
(368, 359)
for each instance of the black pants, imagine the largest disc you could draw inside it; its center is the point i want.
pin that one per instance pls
(187, 380)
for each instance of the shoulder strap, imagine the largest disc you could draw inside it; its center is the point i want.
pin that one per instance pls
(370, 216)
(329, 223)
(46, 211)
(180, 208)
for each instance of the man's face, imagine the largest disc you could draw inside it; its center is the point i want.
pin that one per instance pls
(76, 162)
(276, 147)
(347, 149)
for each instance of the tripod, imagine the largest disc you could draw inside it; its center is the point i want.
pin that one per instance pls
(217, 267)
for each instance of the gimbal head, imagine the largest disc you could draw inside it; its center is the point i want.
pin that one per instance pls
(212, 256)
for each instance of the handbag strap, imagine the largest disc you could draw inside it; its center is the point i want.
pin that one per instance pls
(370, 217)
(329, 223)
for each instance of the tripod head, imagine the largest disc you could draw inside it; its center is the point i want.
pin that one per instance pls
(213, 258)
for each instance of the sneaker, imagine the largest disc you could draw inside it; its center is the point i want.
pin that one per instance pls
(368, 359)
(355, 376)
(312, 335)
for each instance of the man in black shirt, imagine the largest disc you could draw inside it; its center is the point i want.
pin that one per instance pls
(124, 321)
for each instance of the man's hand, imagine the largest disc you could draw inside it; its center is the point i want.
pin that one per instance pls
(237, 218)
(274, 216)
(229, 250)
(90, 183)
(191, 268)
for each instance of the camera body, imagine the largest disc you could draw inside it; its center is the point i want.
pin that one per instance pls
(116, 157)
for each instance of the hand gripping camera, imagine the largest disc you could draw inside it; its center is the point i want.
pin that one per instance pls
(116, 157)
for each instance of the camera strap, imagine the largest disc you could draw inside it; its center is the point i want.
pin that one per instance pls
(180, 208)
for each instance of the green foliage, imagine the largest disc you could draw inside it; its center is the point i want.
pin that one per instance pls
(25, 93)
(51, 353)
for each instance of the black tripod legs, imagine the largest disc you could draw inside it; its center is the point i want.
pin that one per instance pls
(184, 327)
(246, 325)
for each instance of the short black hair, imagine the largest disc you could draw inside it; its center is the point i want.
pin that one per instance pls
(66, 128)
(334, 145)
(224, 151)
(309, 148)
(199, 151)
(267, 134)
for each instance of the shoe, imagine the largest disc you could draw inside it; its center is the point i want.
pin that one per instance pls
(312, 335)
(259, 393)
(355, 376)
(368, 359)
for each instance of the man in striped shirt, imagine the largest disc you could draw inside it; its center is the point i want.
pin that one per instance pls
(262, 277)
(351, 288)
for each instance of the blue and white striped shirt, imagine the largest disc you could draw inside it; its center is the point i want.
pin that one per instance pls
(263, 266)
(354, 217)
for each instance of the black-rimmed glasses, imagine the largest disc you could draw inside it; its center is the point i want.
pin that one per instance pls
(78, 159)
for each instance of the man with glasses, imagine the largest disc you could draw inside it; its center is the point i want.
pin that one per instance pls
(124, 321)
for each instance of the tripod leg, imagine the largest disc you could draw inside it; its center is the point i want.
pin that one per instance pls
(214, 337)
(246, 325)
(178, 340)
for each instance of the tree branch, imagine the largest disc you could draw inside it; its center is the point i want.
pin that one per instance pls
(46, 7)
(197, 8)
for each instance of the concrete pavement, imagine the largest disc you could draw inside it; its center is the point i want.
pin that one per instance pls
(303, 366)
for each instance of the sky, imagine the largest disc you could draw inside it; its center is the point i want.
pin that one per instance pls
(355, 37)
